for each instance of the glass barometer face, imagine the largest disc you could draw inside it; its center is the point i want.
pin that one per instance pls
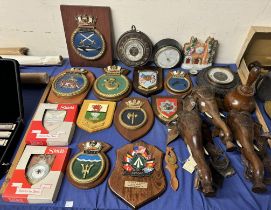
(167, 57)
(220, 75)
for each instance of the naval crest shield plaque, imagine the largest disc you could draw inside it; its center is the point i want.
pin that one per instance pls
(90, 166)
(113, 85)
(166, 107)
(133, 118)
(178, 83)
(148, 80)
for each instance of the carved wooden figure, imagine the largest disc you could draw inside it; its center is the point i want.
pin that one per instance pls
(242, 127)
(205, 98)
(189, 127)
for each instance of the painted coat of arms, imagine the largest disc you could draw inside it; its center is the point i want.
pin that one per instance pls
(96, 115)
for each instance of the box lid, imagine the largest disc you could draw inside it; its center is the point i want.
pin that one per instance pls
(257, 46)
(11, 96)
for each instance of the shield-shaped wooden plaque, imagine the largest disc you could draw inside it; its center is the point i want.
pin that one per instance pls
(148, 80)
(166, 108)
(138, 175)
(133, 118)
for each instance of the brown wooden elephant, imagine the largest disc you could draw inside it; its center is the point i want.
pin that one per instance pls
(242, 127)
(188, 126)
(206, 101)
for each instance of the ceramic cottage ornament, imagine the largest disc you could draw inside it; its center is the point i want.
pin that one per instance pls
(199, 55)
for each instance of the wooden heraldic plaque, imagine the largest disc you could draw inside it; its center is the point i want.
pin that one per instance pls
(88, 35)
(138, 176)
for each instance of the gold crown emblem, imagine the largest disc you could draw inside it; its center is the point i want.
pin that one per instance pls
(92, 147)
(178, 74)
(86, 20)
(113, 69)
(134, 103)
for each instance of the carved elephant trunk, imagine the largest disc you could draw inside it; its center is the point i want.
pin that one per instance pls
(189, 125)
(242, 127)
(207, 104)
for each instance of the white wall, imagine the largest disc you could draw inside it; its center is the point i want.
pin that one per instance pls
(37, 24)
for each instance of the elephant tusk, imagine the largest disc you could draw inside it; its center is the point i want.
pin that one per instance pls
(239, 144)
(208, 115)
(255, 147)
(222, 115)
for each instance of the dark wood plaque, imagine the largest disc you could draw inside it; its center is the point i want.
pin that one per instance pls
(103, 26)
(135, 120)
(148, 80)
(137, 187)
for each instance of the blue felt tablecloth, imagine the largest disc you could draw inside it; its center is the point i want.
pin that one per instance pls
(235, 194)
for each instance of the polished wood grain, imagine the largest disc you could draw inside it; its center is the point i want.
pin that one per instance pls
(242, 98)
(156, 183)
(103, 25)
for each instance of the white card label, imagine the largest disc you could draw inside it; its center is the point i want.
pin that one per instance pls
(69, 204)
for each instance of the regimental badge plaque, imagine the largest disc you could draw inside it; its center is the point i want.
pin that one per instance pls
(166, 108)
(86, 40)
(90, 166)
(96, 115)
(148, 80)
(71, 86)
(138, 176)
(113, 85)
(178, 83)
(88, 35)
(133, 118)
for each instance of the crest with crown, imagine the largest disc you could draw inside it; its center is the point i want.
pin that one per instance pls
(177, 74)
(136, 104)
(113, 70)
(86, 21)
(92, 147)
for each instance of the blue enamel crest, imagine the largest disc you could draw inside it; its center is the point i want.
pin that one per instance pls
(88, 43)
